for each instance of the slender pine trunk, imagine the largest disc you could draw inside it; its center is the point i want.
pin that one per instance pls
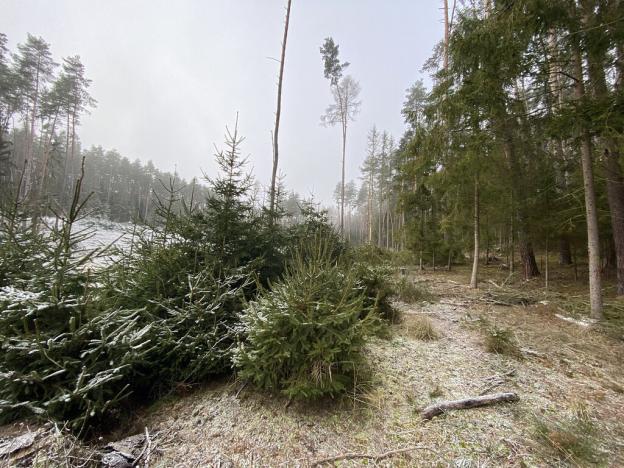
(591, 211)
(474, 280)
(278, 113)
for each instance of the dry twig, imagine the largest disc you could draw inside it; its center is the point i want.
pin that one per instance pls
(381, 456)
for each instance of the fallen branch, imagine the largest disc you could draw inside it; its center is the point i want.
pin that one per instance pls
(381, 456)
(149, 448)
(241, 389)
(484, 400)
(532, 352)
(582, 323)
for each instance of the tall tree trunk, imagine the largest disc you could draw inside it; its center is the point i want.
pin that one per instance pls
(546, 270)
(527, 255)
(613, 170)
(29, 167)
(342, 186)
(370, 208)
(615, 195)
(512, 245)
(591, 210)
(446, 34)
(475, 257)
(278, 113)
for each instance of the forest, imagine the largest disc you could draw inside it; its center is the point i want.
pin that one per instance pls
(458, 303)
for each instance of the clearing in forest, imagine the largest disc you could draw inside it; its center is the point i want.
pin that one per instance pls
(569, 379)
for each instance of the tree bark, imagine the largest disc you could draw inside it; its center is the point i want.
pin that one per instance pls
(565, 252)
(528, 260)
(278, 113)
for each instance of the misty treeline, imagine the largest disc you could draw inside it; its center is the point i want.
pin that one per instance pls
(41, 105)
(516, 147)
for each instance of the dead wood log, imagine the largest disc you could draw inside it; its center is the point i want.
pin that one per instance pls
(484, 400)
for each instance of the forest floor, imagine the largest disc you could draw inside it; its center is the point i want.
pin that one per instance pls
(569, 377)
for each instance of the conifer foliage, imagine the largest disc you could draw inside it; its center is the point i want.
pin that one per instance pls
(305, 336)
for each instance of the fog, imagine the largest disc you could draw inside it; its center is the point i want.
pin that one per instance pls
(168, 76)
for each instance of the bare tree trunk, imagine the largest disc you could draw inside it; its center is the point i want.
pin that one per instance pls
(370, 208)
(487, 241)
(512, 246)
(73, 145)
(475, 257)
(546, 269)
(342, 187)
(593, 237)
(527, 254)
(446, 34)
(63, 195)
(278, 113)
(380, 217)
(31, 136)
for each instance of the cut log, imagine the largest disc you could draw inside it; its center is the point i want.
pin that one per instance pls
(485, 400)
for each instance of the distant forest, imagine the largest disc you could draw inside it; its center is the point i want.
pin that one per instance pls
(42, 103)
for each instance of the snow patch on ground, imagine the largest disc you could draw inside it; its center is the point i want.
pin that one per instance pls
(11, 295)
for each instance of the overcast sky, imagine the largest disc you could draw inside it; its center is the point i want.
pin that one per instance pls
(169, 75)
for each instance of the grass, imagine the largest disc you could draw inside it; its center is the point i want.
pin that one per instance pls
(419, 327)
(408, 292)
(436, 392)
(570, 439)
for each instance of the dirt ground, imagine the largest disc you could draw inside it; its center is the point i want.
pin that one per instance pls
(565, 370)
